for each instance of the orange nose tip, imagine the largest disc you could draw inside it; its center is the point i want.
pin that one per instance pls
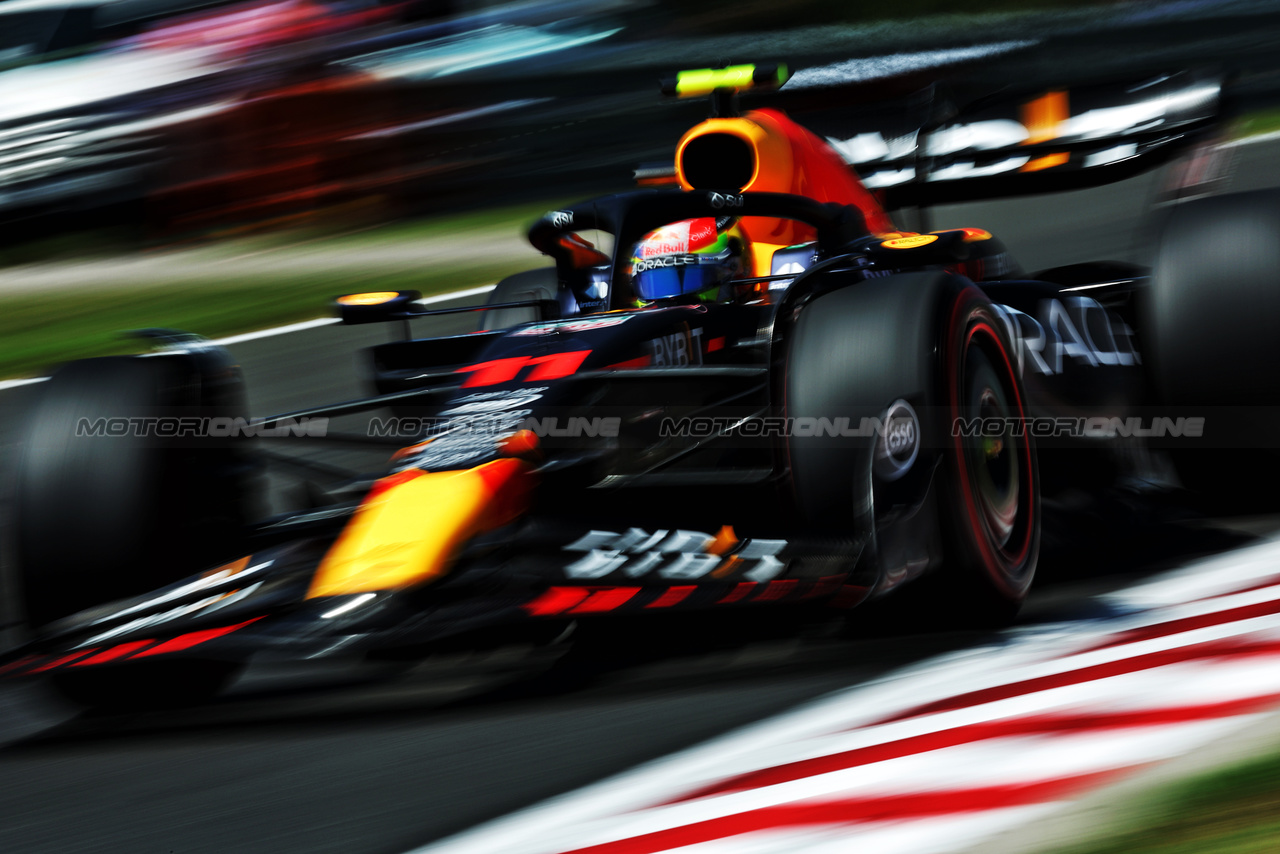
(523, 444)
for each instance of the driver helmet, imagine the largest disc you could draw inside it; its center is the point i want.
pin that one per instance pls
(695, 257)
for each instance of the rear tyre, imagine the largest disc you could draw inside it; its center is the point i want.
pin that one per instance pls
(99, 517)
(540, 284)
(1208, 332)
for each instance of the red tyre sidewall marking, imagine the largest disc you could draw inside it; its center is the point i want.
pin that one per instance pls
(956, 374)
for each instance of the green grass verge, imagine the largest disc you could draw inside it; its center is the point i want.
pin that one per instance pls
(1262, 121)
(39, 330)
(1235, 810)
(504, 222)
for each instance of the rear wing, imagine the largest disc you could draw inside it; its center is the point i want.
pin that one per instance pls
(925, 150)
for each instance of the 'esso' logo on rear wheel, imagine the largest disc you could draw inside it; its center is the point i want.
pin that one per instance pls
(898, 443)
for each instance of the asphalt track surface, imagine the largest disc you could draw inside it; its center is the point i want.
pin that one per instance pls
(350, 760)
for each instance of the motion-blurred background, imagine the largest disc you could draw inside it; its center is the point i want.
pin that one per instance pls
(166, 141)
(147, 121)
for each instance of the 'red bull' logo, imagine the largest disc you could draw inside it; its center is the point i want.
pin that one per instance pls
(679, 238)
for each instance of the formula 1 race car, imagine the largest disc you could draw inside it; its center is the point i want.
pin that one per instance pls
(756, 395)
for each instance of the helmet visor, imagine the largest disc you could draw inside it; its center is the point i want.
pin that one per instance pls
(665, 282)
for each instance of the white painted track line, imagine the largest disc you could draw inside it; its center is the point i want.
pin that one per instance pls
(277, 330)
(1269, 136)
(6, 384)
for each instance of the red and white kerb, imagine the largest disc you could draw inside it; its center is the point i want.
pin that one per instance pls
(941, 756)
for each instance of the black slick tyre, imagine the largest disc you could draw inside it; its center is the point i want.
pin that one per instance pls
(1207, 326)
(102, 514)
(992, 522)
(928, 343)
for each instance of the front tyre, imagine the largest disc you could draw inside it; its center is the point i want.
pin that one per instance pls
(964, 504)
